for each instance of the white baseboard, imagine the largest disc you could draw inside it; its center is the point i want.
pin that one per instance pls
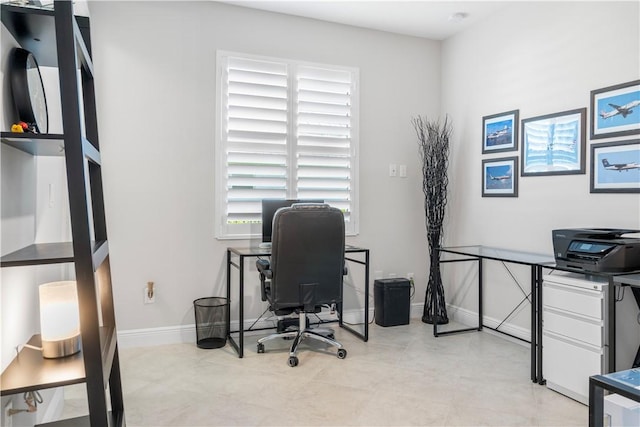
(187, 333)
(156, 336)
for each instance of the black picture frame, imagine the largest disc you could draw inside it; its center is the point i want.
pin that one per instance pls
(500, 132)
(554, 144)
(615, 167)
(500, 177)
(615, 110)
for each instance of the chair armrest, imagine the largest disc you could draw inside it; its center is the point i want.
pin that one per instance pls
(263, 267)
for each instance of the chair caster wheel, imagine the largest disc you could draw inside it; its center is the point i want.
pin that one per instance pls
(260, 348)
(293, 361)
(342, 353)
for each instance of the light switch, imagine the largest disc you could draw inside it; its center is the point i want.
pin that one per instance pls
(393, 169)
(403, 171)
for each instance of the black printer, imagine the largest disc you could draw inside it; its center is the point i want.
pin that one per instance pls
(598, 250)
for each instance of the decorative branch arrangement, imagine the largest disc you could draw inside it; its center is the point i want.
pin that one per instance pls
(433, 139)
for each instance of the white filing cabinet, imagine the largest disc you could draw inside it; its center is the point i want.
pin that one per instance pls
(573, 333)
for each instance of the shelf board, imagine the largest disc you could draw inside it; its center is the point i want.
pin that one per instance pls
(30, 371)
(39, 253)
(35, 144)
(51, 253)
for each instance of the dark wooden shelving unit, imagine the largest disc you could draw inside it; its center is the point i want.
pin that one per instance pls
(59, 39)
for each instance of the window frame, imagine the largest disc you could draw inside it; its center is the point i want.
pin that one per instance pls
(224, 231)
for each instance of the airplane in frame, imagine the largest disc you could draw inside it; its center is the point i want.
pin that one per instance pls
(619, 166)
(498, 133)
(501, 177)
(623, 110)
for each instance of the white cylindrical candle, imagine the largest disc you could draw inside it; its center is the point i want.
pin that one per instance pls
(59, 314)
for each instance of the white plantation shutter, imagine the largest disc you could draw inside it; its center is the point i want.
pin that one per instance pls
(256, 136)
(323, 136)
(285, 130)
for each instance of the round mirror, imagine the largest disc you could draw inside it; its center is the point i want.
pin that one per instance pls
(28, 91)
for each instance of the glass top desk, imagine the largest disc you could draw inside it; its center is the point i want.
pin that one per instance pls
(236, 259)
(479, 253)
(625, 383)
(537, 262)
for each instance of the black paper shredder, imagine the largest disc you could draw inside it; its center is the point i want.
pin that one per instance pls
(392, 301)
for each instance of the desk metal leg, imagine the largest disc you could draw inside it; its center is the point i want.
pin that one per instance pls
(366, 296)
(364, 336)
(636, 295)
(229, 338)
(238, 346)
(612, 326)
(538, 308)
(480, 284)
(534, 322)
(434, 300)
(241, 305)
(434, 304)
(596, 413)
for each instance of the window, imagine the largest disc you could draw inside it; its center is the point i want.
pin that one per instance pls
(285, 129)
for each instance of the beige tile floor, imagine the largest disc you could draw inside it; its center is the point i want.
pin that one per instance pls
(402, 376)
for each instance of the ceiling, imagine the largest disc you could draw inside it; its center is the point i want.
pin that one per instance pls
(423, 18)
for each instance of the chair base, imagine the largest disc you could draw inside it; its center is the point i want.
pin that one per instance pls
(324, 335)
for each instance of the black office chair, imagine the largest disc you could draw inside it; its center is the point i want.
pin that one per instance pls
(306, 270)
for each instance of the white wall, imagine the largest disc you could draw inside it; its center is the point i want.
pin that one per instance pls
(155, 74)
(539, 58)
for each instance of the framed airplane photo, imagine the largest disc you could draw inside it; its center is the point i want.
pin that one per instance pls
(500, 132)
(554, 144)
(615, 167)
(500, 177)
(615, 110)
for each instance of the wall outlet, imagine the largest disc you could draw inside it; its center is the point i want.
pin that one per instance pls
(149, 292)
(410, 276)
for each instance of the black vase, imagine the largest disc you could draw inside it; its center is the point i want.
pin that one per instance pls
(435, 299)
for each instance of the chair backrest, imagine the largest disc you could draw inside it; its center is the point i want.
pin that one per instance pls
(307, 247)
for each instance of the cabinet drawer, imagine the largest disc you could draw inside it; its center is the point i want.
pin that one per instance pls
(575, 300)
(569, 365)
(576, 280)
(587, 331)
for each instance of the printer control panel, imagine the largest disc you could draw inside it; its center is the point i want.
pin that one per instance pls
(589, 247)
